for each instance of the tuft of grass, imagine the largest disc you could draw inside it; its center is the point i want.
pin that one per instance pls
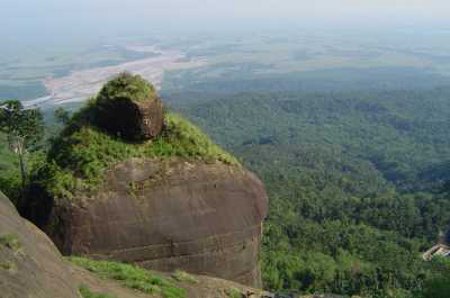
(183, 276)
(10, 241)
(9, 266)
(132, 277)
(80, 156)
(233, 293)
(87, 293)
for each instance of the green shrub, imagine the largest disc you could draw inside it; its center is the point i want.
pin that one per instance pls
(10, 241)
(83, 152)
(183, 276)
(233, 293)
(11, 185)
(87, 293)
(126, 85)
(132, 277)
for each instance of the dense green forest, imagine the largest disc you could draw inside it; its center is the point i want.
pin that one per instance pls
(358, 184)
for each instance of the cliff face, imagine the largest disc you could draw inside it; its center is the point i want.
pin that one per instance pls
(30, 265)
(167, 215)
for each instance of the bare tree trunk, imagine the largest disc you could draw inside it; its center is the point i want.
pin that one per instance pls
(22, 162)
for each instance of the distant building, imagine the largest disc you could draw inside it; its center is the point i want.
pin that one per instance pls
(440, 249)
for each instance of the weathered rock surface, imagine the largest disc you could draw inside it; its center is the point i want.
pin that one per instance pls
(167, 215)
(30, 265)
(129, 107)
(132, 120)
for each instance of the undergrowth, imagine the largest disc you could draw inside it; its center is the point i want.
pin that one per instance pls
(131, 277)
(183, 276)
(233, 293)
(126, 85)
(87, 293)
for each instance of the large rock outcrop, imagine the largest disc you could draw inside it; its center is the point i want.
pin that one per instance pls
(166, 215)
(177, 201)
(30, 264)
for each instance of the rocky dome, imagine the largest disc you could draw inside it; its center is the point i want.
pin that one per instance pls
(177, 201)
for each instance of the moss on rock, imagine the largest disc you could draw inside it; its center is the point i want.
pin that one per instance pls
(126, 85)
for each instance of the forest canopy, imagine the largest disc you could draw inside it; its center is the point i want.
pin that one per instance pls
(357, 181)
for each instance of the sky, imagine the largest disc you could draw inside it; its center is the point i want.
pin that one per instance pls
(26, 17)
(310, 9)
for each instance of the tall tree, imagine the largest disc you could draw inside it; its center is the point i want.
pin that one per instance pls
(62, 115)
(24, 128)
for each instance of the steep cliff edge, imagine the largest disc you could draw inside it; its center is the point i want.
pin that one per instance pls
(29, 262)
(168, 201)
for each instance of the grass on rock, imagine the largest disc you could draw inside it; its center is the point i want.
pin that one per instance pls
(82, 153)
(129, 86)
(10, 241)
(183, 276)
(131, 277)
(87, 293)
(233, 293)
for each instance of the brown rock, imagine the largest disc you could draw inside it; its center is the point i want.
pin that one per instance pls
(132, 120)
(128, 106)
(167, 215)
(30, 265)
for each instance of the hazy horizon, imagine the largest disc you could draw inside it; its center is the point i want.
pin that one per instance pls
(114, 17)
(45, 39)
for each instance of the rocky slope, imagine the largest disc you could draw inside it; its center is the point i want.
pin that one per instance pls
(30, 265)
(173, 201)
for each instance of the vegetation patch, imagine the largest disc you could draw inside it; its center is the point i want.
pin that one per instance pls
(10, 266)
(10, 241)
(87, 293)
(82, 153)
(183, 276)
(132, 277)
(233, 293)
(129, 86)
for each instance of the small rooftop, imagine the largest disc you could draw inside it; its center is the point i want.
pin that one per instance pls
(441, 249)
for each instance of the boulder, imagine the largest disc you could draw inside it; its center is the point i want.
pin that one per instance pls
(30, 264)
(128, 107)
(168, 214)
